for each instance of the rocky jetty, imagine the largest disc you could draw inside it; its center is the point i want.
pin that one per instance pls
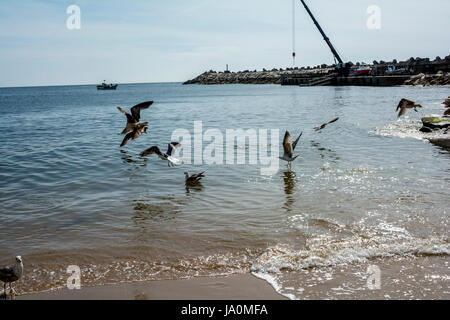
(256, 77)
(441, 142)
(439, 79)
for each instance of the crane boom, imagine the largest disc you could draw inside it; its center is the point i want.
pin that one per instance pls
(327, 40)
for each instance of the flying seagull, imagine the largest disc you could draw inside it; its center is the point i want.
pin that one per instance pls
(137, 131)
(405, 104)
(325, 124)
(171, 161)
(11, 274)
(135, 116)
(194, 178)
(289, 147)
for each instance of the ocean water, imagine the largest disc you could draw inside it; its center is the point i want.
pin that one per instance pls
(368, 190)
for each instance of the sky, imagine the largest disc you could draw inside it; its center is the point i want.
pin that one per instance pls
(136, 41)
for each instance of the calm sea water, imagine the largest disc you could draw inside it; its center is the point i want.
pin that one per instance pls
(368, 189)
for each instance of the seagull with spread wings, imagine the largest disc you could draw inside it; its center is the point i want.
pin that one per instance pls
(325, 124)
(135, 116)
(171, 161)
(289, 147)
(406, 104)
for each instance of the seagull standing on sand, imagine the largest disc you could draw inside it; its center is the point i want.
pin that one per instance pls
(325, 124)
(137, 131)
(171, 161)
(195, 178)
(405, 104)
(135, 116)
(11, 274)
(289, 147)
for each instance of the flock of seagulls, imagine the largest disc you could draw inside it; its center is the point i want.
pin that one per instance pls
(134, 128)
(289, 146)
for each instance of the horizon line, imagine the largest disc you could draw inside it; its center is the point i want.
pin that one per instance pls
(85, 84)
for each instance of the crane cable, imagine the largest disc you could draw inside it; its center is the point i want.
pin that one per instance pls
(293, 33)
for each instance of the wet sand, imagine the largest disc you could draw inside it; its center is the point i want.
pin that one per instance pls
(234, 287)
(402, 278)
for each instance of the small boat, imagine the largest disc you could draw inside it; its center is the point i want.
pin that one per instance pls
(392, 70)
(105, 86)
(363, 70)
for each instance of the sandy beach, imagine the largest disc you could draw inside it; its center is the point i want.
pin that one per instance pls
(428, 277)
(234, 287)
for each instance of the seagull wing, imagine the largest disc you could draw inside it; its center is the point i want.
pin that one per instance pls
(136, 110)
(295, 142)
(400, 104)
(198, 175)
(404, 103)
(402, 111)
(127, 138)
(172, 146)
(334, 120)
(6, 273)
(287, 144)
(130, 118)
(195, 177)
(152, 150)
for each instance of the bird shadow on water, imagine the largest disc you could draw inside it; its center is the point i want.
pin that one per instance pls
(195, 187)
(144, 212)
(128, 159)
(147, 216)
(325, 152)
